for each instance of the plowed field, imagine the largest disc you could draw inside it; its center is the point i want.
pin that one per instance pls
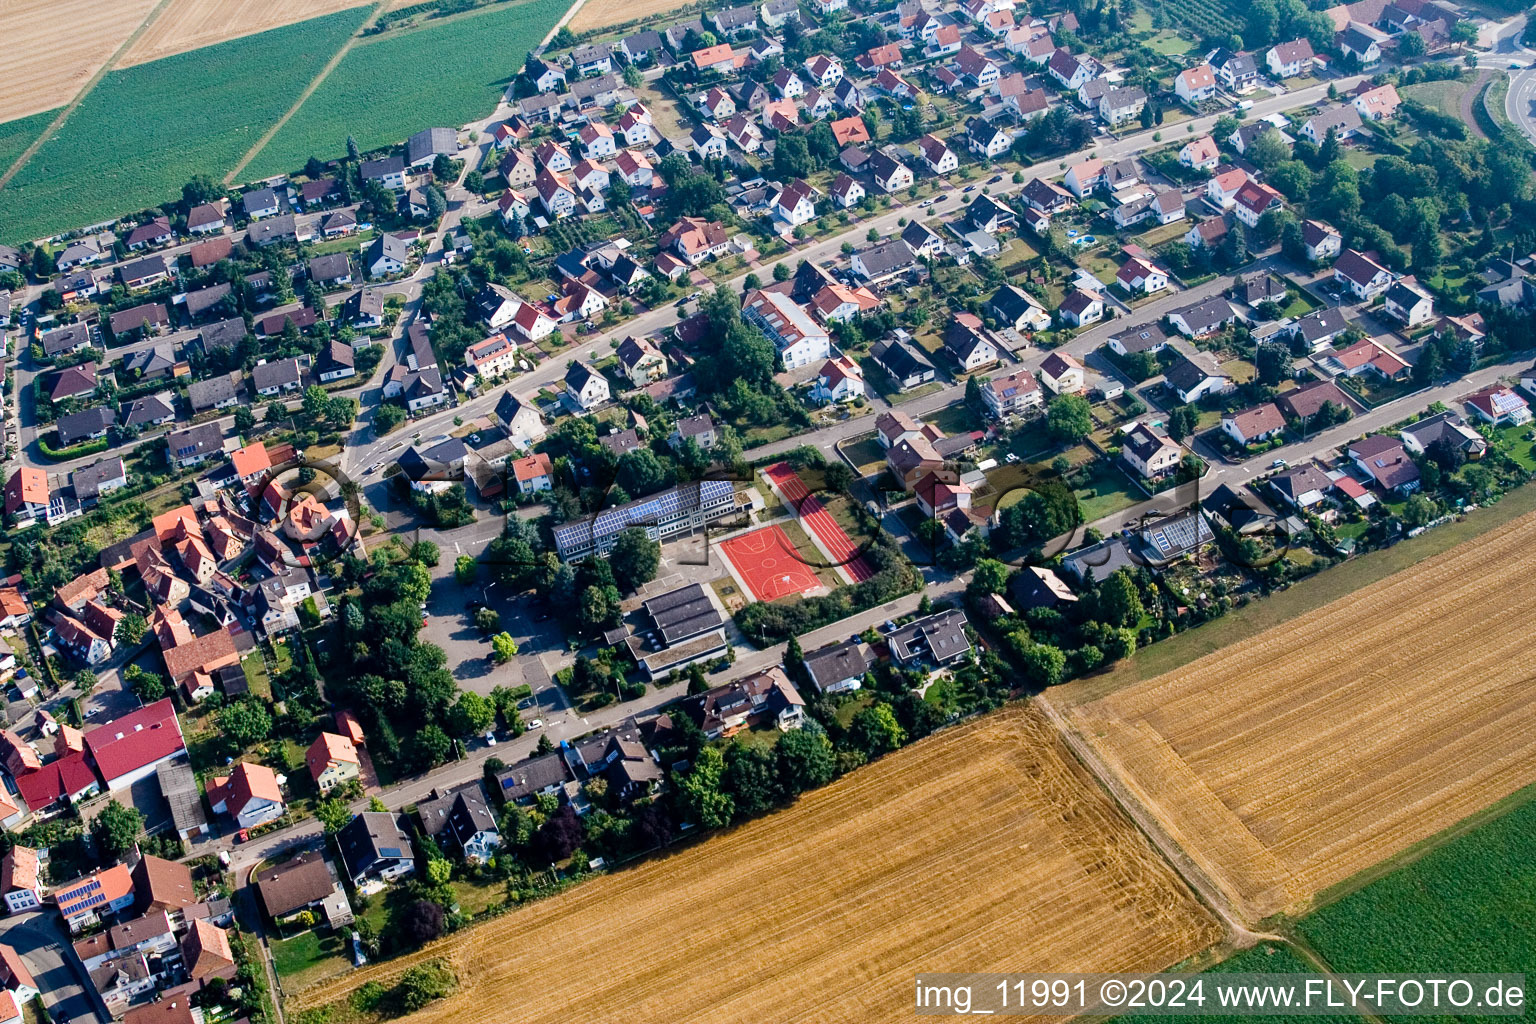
(985, 848)
(1289, 762)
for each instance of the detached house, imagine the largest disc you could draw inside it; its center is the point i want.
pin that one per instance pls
(1148, 451)
(1363, 276)
(332, 761)
(1287, 60)
(1195, 85)
(250, 794)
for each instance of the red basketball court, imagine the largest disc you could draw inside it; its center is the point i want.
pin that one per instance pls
(766, 562)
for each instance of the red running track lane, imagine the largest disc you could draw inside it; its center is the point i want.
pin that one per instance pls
(819, 521)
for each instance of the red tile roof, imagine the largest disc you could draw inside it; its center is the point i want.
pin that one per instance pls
(135, 740)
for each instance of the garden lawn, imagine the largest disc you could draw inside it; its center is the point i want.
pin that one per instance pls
(308, 958)
(392, 85)
(1444, 97)
(1514, 443)
(1470, 903)
(143, 131)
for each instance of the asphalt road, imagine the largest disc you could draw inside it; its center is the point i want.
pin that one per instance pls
(43, 942)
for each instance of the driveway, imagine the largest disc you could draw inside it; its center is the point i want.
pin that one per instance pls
(44, 945)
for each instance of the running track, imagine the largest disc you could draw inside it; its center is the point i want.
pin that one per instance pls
(819, 521)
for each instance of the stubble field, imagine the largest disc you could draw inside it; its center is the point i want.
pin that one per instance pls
(188, 24)
(1290, 762)
(985, 848)
(602, 13)
(52, 47)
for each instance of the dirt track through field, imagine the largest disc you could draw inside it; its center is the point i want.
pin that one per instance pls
(985, 848)
(53, 48)
(193, 24)
(1288, 763)
(54, 13)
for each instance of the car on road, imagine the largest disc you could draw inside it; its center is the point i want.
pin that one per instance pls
(680, 303)
(1011, 457)
(969, 188)
(537, 723)
(92, 713)
(994, 179)
(1279, 464)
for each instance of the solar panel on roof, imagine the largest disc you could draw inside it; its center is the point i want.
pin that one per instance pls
(390, 851)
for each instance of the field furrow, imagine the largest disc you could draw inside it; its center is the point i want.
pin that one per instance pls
(1340, 738)
(983, 848)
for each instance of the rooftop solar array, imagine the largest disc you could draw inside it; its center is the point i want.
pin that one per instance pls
(646, 511)
(1175, 535)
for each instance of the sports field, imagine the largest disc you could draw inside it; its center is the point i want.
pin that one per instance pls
(985, 846)
(845, 554)
(767, 563)
(1289, 762)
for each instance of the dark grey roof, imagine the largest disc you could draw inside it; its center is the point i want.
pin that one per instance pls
(330, 267)
(940, 636)
(366, 302)
(431, 141)
(199, 440)
(260, 199)
(62, 339)
(683, 613)
(1240, 510)
(155, 359)
(300, 882)
(459, 813)
(83, 424)
(275, 373)
(648, 41)
(205, 394)
(1145, 338)
(372, 838)
(1101, 559)
(272, 229)
(588, 88)
(146, 410)
(179, 787)
(901, 359)
(381, 168)
(887, 257)
(1320, 324)
(985, 209)
(1185, 374)
(831, 665)
(87, 481)
(1203, 316)
(533, 776)
(204, 299)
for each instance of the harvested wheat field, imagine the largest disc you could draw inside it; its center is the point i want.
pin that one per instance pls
(985, 848)
(1289, 762)
(602, 13)
(192, 24)
(53, 47)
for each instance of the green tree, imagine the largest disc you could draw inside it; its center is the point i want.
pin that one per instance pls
(990, 576)
(415, 583)
(387, 417)
(1182, 421)
(116, 829)
(634, 558)
(471, 714)
(245, 721)
(333, 815)
(352, 151)
(1118, 600)
(425, 552)
(131, 629)
(1042, 662)
(245, 419)
(699, 795)
(487, 620)
(430, 747)
(503, 648)
(465, 568)
(804, 759)
(1069, 418)
(875, 730)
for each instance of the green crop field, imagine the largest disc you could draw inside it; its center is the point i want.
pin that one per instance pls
(387, 87)
(1265, 958)
(143, 131)
(1468, 906)
(17, 135)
